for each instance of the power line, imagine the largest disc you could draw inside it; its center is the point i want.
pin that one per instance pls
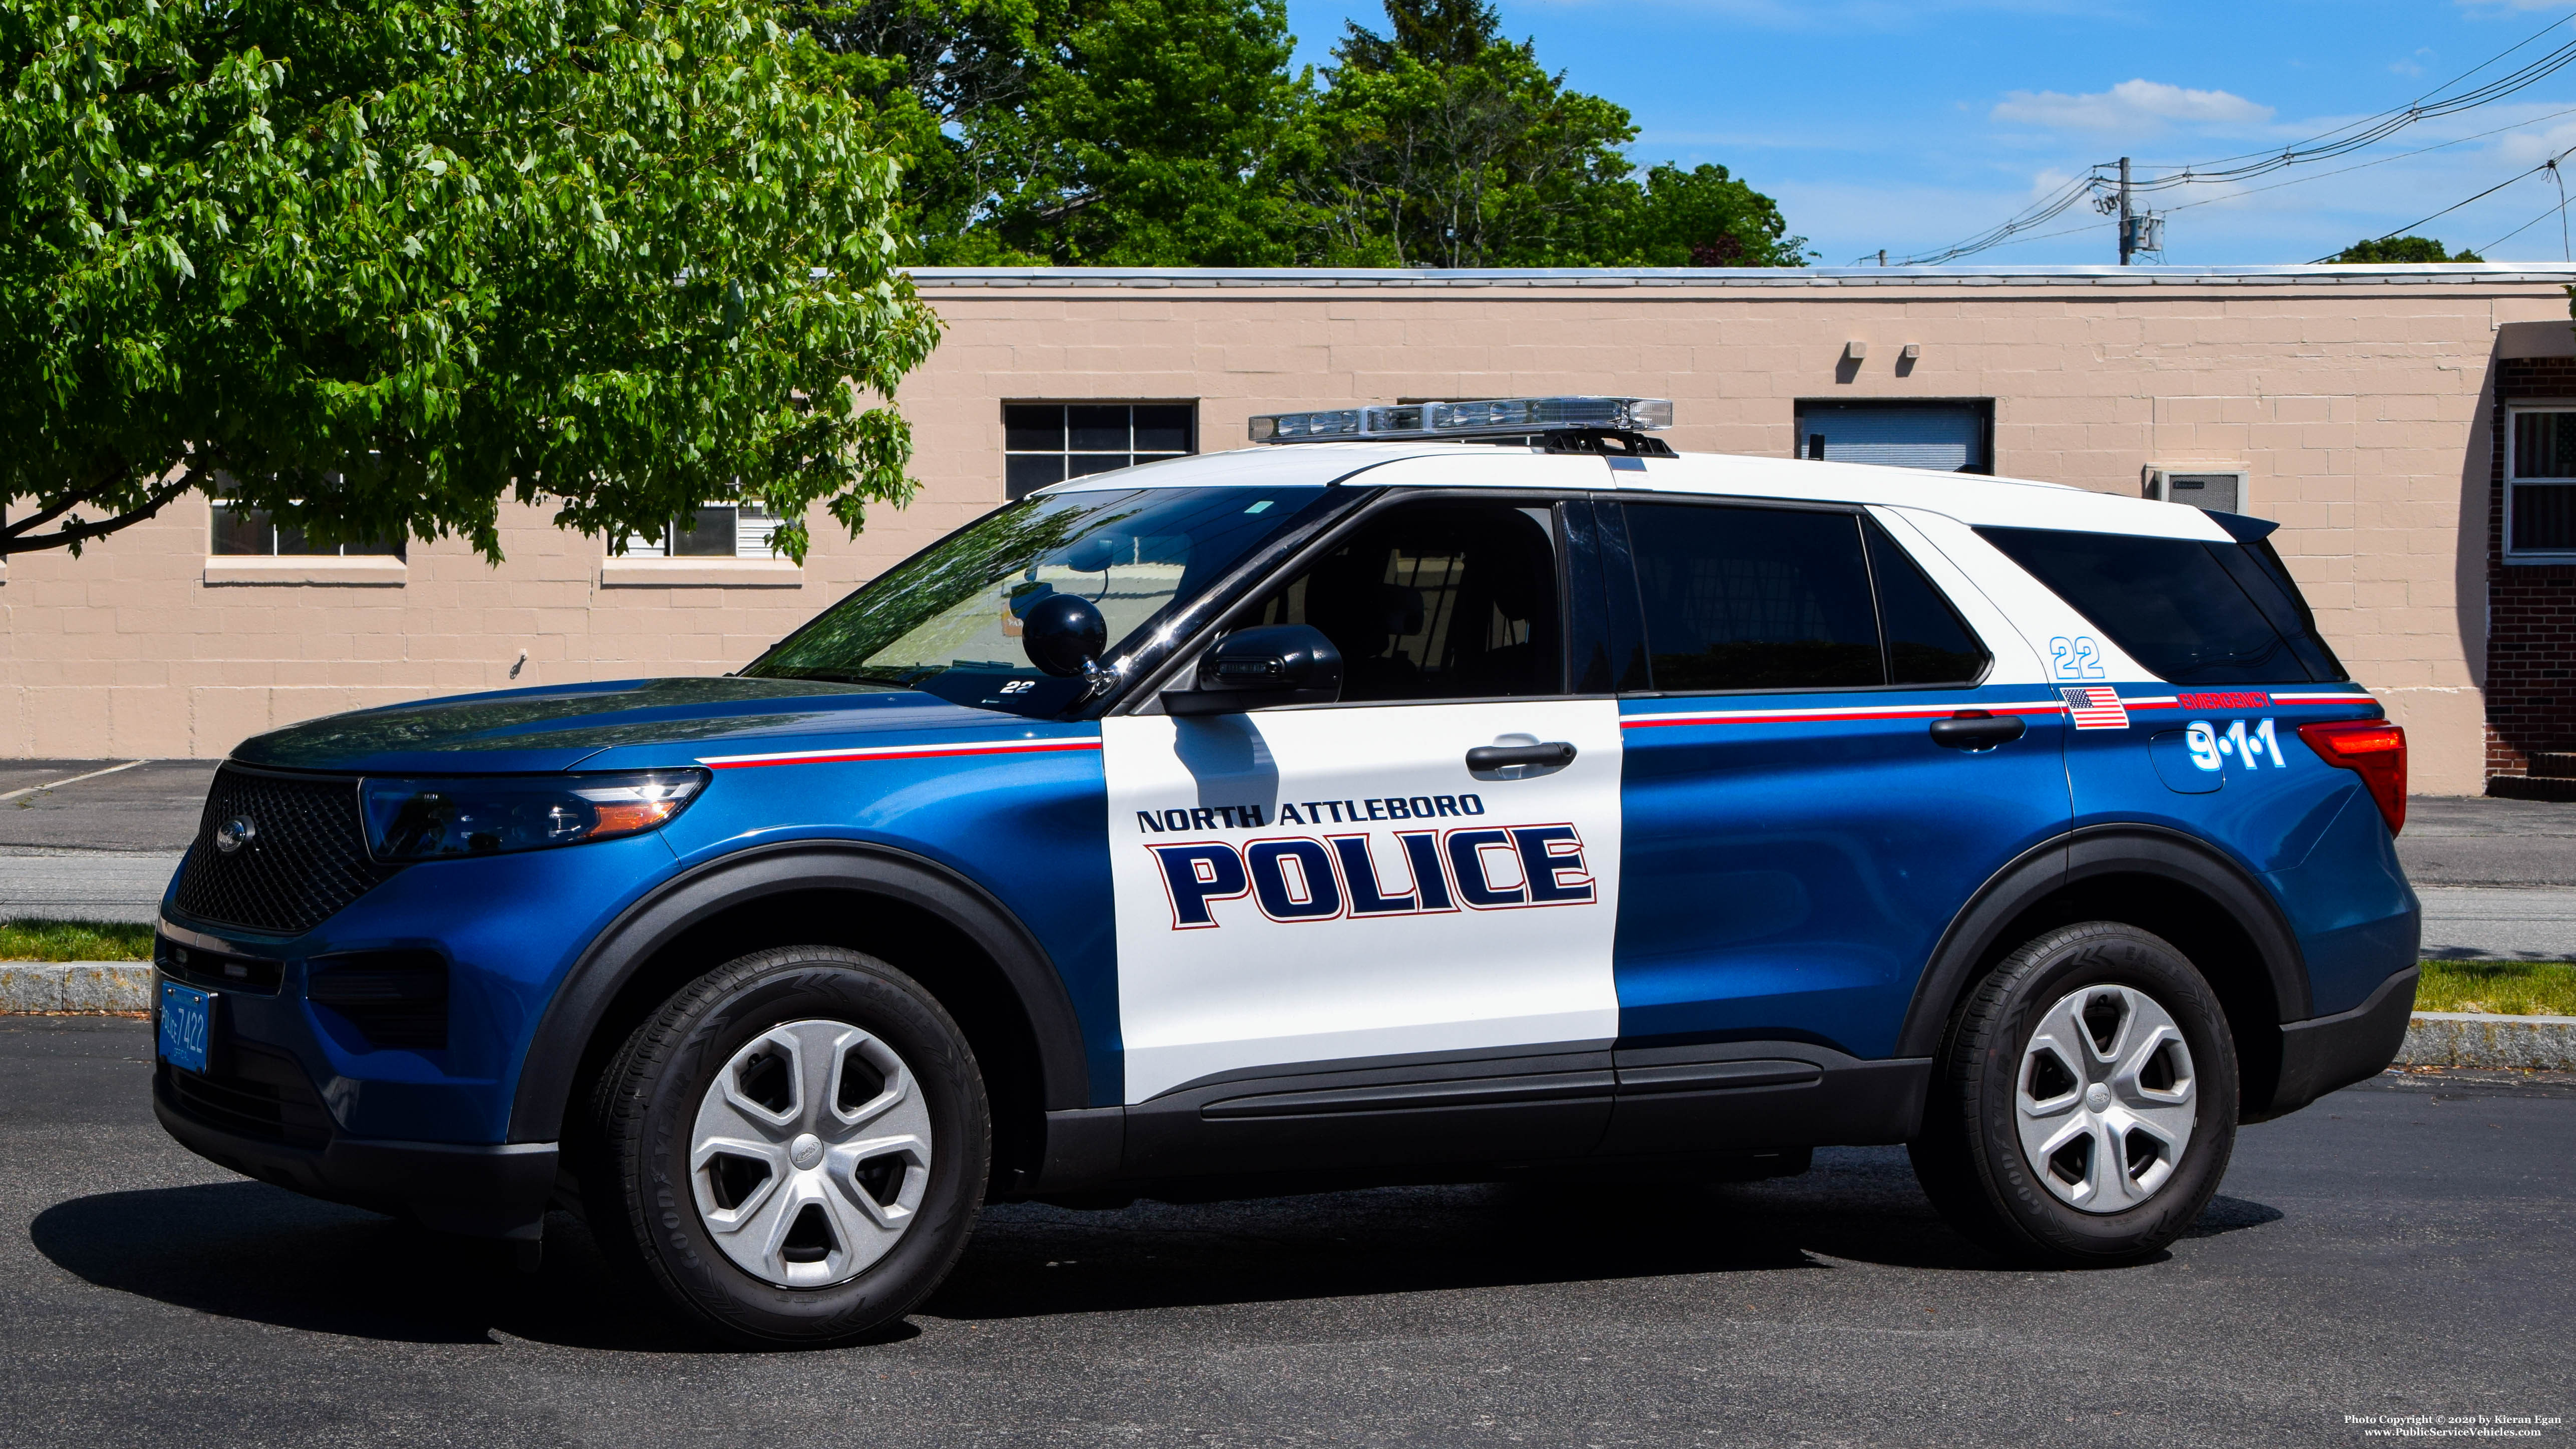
(2549, 165)
(2560, 211)
(2377, 161)
(2343, 140)
(2355, 135)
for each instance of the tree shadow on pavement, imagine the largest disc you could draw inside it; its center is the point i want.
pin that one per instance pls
(250, 1251)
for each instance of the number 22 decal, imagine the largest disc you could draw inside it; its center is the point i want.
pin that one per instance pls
(2076, 658)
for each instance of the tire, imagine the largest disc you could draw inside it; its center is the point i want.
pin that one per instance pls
(2101, 1159)
(792, 1151)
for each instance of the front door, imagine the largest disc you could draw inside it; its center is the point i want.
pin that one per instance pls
(1333, 920)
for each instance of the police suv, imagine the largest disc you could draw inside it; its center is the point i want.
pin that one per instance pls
(1451, 792)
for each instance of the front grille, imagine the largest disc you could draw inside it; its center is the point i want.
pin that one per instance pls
(255, 1091)
(306, 856)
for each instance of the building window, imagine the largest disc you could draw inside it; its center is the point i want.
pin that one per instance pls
(1953, 436)
(719, 530)
(1045, 443)
(2540, 486)
(253, 531)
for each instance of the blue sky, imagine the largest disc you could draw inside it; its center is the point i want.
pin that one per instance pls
(1910, 126)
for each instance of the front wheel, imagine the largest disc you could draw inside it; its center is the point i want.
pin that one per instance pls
(2084, 1105)
(793, 1150)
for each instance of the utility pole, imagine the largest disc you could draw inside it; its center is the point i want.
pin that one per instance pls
(2126, 232)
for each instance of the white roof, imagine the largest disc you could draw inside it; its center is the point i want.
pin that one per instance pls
(1969, 498)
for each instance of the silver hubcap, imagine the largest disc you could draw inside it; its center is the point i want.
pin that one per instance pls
(2106, 1098)
(810, 1154)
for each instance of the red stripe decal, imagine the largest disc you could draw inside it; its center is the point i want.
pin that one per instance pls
(896, 752)
(1944, 711)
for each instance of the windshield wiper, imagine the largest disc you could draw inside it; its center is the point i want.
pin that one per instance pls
(899, 679)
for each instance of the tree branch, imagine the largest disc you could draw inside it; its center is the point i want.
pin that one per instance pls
(71, 535)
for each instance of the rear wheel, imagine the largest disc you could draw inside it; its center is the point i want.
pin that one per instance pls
(2084, 1105)
(793, 1150)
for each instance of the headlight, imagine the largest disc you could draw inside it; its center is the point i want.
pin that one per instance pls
(431, 819)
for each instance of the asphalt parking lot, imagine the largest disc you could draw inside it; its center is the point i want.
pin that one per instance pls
(2402, 1248)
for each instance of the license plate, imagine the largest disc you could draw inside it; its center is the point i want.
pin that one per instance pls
(186, 1014)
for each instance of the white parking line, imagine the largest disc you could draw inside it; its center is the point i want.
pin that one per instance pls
(74, 780)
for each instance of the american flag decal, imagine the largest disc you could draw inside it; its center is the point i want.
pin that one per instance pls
(2096, 707)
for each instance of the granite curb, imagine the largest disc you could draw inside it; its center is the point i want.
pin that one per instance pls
(2474, 1039)
(75, 986)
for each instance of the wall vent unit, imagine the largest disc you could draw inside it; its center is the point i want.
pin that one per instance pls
(2219, 490)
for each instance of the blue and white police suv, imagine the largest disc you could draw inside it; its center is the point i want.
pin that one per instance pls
(1453, 792)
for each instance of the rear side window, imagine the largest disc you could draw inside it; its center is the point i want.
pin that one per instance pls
(1780, 599)
(2193, 612)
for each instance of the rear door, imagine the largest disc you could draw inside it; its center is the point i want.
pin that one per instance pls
(1798, 833)
(1340, 939)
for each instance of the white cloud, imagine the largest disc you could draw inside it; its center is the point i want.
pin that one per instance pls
(2131, 105)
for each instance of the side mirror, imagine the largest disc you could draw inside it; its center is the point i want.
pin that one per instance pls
(1253, 668)
(1064, 635)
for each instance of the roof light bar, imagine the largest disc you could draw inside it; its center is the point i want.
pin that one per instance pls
(1482, 418)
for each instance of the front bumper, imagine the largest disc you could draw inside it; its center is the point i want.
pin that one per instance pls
(490, 1190)
(2319, 1055)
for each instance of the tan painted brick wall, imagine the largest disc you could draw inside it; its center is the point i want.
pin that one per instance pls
(2355, 408)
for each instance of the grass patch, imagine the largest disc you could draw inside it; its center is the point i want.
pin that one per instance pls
(74, 941)
(2507, 988)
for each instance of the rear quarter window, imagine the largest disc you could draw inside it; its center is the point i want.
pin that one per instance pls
(2193, 612)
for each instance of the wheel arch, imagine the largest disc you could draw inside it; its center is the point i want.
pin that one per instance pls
(964, 947)
(2160, 880)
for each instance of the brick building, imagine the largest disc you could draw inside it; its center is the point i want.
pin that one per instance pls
(2402, 424)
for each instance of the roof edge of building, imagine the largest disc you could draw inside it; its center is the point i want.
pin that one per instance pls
(2418, 274)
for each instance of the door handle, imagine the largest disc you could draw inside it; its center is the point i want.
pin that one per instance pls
(1499, 757)
(1974, 730)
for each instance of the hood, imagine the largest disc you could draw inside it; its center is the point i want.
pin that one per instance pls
(645, 720)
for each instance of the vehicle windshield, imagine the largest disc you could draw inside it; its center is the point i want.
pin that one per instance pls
(947, 620)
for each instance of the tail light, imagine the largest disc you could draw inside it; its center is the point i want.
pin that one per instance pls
(2373, 749)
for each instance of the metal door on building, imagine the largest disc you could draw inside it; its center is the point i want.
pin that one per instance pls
(1943, 436)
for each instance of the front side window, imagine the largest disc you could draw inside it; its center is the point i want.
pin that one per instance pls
(947, 620)
(1434, 600)
(2540, 486)
(1779, 599)
(255, 532)
(1045, 443)
(2190, 611)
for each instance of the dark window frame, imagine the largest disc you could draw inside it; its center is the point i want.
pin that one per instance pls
(261, 518)
(1984, 407)
(1864, 522)
(2514, 412)
(1066, 452)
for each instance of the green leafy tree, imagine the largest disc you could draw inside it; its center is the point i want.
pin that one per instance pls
(2402, 249)
(1135, 132)
(1424, 159)
(1702, 217)
(1148, 138)
(377, 264)
(1440, 143)
(932, 76)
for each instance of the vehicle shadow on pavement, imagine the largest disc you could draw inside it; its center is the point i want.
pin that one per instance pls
(250, 1251)
(1858, 1205)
